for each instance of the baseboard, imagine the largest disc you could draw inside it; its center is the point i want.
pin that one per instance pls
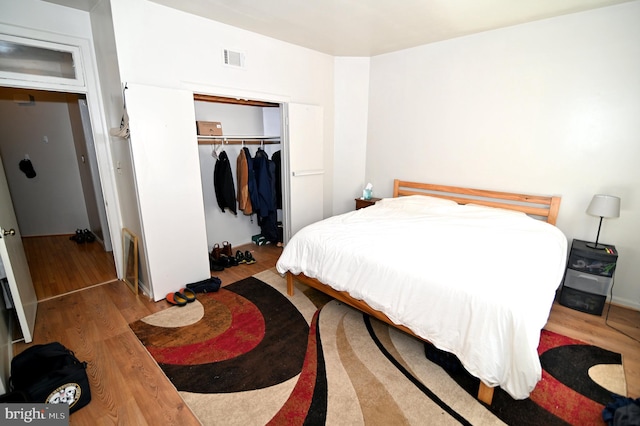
(625, 303)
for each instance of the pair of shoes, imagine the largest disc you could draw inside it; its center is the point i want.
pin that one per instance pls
(82, 236)
(226, 249)
(248, 258)
(182, 297)
(228, 261)
(205, 286)
(78, 237)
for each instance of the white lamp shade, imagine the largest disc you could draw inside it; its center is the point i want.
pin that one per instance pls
(604, 206)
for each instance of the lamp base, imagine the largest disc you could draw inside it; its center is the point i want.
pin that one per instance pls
(596, 246)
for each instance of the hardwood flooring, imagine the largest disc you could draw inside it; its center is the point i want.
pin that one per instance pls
(594, 330)
(128, 387)
(59, 265)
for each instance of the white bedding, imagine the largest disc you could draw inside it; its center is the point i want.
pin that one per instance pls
(475, 281)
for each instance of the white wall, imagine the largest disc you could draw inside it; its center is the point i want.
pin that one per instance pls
(53, 202)
(351, 104)
(39, 14)
(164, 47)
(549, 107)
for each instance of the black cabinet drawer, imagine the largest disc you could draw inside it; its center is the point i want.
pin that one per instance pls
(603, 267)
(582, 301)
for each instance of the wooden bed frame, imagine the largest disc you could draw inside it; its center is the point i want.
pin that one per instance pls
(540, 206)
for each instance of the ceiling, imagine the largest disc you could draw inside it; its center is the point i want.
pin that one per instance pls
(369, 27)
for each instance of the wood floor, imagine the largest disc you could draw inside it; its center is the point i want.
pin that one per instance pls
(128, 387)
(59, 265)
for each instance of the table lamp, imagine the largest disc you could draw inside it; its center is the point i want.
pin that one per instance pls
(603, 206)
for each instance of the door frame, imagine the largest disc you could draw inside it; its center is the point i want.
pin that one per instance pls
(87, 66)
(283, 101)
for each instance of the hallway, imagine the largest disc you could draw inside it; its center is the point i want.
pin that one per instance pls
(59, 265)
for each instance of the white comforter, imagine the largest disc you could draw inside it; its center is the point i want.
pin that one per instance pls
(475, 281)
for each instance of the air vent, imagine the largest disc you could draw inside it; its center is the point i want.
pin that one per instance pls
(234, 58)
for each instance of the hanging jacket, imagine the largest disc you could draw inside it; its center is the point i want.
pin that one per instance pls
(276, 158)
(269, 223)
(266, 197)
(242, 170)
(251, 183)
(223, 183)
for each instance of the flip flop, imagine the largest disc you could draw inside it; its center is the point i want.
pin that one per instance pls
(188, 294)
(176, 298)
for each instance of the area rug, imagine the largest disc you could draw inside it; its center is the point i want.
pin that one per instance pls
(250, 355)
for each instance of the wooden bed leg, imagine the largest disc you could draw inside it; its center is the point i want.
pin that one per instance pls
(485, 393)
(289, 283)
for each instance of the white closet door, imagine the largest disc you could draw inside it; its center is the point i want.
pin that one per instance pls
(14, 263)
(306, 166)
(167, 174)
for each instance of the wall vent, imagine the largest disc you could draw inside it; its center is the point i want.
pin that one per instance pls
(233, 58)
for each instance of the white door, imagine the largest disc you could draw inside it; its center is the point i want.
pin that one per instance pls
(15, 263)
(305, 174)
(166, 166)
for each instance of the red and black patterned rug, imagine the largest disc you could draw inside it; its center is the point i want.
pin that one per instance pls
(249, 354)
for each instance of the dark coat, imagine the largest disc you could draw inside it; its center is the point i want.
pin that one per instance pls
(265, 176)
(277, 160)
(223, 183)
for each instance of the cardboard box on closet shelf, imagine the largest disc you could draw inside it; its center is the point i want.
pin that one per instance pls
(209, 128)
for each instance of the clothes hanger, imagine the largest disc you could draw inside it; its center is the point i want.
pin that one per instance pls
(214, 151)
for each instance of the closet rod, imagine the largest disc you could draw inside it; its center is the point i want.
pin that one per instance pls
(233, 141)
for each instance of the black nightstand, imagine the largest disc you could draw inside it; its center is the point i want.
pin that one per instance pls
(588, 277)
(362, 203)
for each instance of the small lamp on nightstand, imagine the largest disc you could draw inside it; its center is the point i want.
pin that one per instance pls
(603, 206)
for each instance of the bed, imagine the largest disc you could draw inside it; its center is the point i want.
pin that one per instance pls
(472, 271)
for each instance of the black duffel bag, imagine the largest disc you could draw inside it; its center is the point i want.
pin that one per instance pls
(51, 374)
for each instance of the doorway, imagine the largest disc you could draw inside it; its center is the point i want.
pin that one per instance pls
(57, 194)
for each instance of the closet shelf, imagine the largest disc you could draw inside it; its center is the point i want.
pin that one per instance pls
(238, 140)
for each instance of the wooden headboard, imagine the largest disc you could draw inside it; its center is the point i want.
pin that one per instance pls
(534, 205)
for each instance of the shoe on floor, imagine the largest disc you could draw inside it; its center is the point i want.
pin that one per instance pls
(228, 261)
(248, 258)
(79, 237)
(215, 265)
(226, 249)
(176, 298)
(88, 236)
(188, 294)
(215, 251)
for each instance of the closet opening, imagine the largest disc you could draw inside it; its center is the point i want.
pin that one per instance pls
(240, 154)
